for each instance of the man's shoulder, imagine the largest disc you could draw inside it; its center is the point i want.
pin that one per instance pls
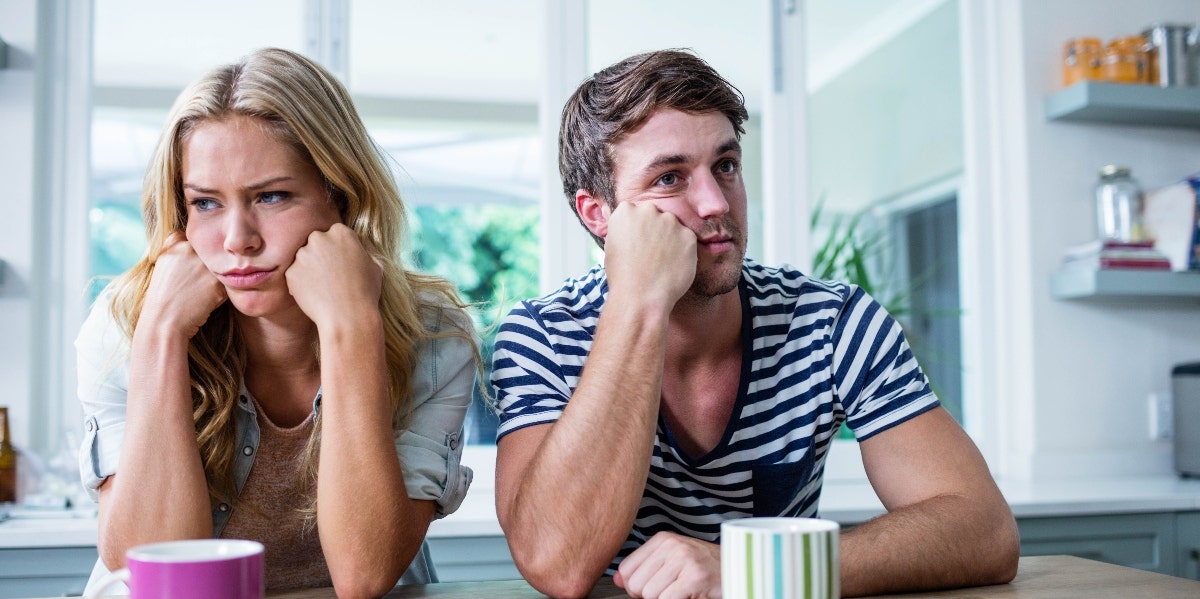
(787, 284)
(577, 297)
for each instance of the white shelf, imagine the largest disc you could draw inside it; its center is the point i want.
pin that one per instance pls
(1125, 104)
(1080, 283)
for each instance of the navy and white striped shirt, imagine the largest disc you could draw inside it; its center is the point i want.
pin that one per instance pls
(815, 354)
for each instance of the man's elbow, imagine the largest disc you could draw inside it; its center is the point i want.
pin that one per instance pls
(570, 586)
(1004, 550)
(551, 576)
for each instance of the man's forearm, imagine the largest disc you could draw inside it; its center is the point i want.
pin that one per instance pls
(568, 512)
(944, 542)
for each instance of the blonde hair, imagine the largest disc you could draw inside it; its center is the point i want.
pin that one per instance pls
(304, 106)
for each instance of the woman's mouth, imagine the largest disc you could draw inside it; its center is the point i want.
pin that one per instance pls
(245, 278)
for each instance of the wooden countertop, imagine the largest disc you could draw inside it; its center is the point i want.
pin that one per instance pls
(1046, 577)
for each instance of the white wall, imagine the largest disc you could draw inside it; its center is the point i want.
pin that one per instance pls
(18, 28)
(1083, 369)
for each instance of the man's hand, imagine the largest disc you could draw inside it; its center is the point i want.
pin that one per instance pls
(671, 565)
(183, 292)
(333, 277)
(649, 253)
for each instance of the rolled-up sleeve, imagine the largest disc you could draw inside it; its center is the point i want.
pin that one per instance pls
(430, 449)
(102, 352)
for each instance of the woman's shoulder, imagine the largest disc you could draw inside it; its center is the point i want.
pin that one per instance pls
(101, 335)
(440, 315)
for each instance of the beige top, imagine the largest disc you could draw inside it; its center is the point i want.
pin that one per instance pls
(268, 509)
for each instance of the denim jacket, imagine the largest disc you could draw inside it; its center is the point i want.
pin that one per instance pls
(429, 450)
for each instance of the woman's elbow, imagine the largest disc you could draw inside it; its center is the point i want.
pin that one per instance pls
(364, 585)
(111, 554)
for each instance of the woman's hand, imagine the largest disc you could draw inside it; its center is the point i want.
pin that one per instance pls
(183, 292)
(333, 278)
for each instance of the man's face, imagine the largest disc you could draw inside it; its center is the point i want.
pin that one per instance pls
(690, 165)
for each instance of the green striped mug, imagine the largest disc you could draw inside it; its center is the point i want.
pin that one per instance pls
(780, 558)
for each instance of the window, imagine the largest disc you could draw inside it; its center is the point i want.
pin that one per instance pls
(885, 119)
(458, 115)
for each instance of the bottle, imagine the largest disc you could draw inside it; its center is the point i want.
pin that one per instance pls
(1118, 205)
(8, 461)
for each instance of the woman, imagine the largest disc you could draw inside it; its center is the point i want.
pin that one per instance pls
(269, 335)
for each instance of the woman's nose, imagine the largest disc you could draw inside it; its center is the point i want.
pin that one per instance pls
(241, 233)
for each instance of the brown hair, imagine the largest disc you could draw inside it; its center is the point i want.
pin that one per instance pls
(621, 97)
(304, 106)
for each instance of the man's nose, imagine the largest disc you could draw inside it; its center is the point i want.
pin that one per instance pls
(241, 232)
(707, 197)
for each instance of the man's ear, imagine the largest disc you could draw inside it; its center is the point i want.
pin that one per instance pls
(593, 211)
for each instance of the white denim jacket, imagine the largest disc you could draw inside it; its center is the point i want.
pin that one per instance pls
(429, 450)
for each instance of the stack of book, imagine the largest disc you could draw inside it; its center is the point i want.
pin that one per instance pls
(1110, 254)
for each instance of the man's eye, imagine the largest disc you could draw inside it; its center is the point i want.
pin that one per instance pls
(727, 166)
(668, 179)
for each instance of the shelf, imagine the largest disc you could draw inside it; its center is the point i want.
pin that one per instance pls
(1081, 283)
(1125, 104)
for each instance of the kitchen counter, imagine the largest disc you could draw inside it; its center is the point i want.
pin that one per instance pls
(845, 502)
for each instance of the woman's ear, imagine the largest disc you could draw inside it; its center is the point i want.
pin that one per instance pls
(593, 211)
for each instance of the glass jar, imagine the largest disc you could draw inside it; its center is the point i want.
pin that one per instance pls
(1081, 59)
(1119, 205)
(1126, 60)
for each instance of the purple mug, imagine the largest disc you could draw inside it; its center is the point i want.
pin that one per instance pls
(194, 569)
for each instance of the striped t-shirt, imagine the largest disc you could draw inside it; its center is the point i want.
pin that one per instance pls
(814, 354)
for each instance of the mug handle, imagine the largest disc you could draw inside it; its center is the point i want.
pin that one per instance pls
(107, 581)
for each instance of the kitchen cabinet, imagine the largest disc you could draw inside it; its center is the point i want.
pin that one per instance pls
(464, 559)
(1187, 556)
(45, 571)
(1144, 541)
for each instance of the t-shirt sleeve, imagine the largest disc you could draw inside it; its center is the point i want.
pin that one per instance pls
(876, 377)
(102, 354)
(430, 449)
(528, 377)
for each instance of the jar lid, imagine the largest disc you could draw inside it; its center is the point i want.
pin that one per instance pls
(1112, 170)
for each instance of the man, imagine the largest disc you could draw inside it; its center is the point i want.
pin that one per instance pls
(682, 385)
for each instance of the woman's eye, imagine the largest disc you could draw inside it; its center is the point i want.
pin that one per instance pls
(203, 204)
(273, 197)
(668, 179)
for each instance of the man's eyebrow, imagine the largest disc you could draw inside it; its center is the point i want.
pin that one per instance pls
(730, 146)
(252, 187)
(665, 160)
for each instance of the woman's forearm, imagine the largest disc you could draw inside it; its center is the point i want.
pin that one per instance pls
(159, 492)
(370, 529)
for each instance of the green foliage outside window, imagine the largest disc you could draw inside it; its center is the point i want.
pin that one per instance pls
(490, 252)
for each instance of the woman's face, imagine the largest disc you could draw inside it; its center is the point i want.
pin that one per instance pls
(251, 203)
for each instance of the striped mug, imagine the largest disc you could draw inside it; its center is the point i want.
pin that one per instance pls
(780, 558)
